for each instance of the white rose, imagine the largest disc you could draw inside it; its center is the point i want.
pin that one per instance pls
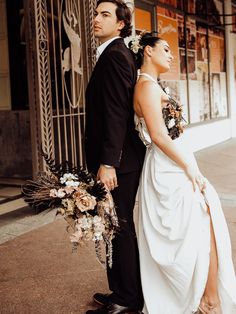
(53, 193)
(171, 123)
(84, 201)
(85, 223)
(61, 193)
(68, 177)
(97, 219)
(72, 183)
(167, 90)
(97, 236)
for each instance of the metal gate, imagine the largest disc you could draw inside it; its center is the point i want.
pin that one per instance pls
(60, 58)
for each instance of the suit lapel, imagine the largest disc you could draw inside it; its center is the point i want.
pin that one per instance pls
(118, 42)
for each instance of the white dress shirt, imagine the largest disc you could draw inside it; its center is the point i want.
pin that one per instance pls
(103, 46)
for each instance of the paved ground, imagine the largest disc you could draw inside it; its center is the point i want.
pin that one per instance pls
(38, 272)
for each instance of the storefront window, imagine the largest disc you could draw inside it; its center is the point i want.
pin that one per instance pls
(174, 3)
(217, 74)
(234, 16)
(191, 6)
(195, 32)
(200, 7)
(199, 93)
(171, 28)
(215, 8)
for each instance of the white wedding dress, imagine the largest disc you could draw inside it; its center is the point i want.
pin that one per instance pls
(174, 236)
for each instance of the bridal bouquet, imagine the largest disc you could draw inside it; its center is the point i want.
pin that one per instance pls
(84, 202)
(173, 117)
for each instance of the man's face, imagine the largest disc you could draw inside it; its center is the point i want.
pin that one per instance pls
(106, 25)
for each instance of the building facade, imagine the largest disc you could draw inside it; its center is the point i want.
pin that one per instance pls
(48, 53)
(201, 35)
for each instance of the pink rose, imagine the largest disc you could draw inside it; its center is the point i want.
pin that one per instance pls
(84, 201)
(53, 193)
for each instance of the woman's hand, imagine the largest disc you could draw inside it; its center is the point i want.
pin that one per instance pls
(194, 174)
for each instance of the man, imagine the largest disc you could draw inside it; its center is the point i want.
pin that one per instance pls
(113, 149)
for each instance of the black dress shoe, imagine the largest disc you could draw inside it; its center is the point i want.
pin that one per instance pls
(114, 309)
(101, 298)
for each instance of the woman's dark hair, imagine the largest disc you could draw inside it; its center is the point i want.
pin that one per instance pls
(147, 39)
(123, 13)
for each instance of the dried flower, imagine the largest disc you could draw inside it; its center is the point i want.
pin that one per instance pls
(171, 123)
(166, 90)
(69, 179)
(83, 201)
(69, 189)
(53, 193)
(173, 117)
(135, 44)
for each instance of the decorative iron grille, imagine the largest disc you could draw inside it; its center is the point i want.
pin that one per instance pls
(60, 46)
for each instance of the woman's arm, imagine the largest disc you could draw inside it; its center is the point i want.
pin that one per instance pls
(149, 96)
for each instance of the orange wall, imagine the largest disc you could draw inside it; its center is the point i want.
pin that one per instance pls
(142, 20)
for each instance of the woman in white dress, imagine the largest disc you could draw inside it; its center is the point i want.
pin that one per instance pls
(185, 251)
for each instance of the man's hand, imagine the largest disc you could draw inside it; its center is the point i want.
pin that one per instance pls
(108, 177)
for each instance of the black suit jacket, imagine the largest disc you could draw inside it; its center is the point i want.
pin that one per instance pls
(110, 136)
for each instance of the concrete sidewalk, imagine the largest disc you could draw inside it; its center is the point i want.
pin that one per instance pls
(39, 273)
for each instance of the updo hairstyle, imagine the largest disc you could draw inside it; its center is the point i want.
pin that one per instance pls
(146, 39)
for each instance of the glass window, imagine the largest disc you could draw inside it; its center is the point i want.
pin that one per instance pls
(234, 16)
(170, 27)
(191, 6)
(198, 74)
(199, 92)
(174, 3)
(215, 9)
(217, 74)
(200, 7)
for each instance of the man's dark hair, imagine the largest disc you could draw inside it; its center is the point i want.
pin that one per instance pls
(123, 13)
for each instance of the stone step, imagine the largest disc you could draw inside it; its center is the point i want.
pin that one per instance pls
(12, 181)
(18, 218)
(12, 205)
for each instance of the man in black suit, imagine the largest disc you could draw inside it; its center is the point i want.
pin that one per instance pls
(113, 149)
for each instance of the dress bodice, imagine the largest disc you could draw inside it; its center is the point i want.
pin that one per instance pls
(171, 113)
(162, 160)
(141, 127)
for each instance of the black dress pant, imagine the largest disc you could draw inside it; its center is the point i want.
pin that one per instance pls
(124, 276)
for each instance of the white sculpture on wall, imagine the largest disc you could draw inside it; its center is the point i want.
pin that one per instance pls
(72, 54)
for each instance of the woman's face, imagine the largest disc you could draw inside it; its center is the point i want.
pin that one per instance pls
(161, 56)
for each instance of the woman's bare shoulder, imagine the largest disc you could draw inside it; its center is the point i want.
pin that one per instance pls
(145, 90)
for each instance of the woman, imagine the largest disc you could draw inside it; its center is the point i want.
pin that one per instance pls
(185, 251)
